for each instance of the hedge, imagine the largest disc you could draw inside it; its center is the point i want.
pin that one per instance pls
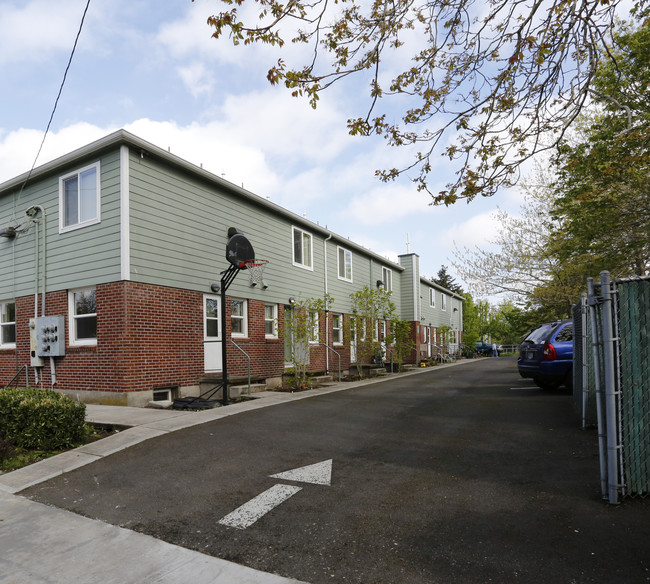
(41, 419)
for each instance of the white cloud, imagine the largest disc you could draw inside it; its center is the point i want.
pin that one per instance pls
(30, 31)
(386, 204)
(18, 148)
(197, 78)
(477, 231)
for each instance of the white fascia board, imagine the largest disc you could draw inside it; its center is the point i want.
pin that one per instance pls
(125, 220)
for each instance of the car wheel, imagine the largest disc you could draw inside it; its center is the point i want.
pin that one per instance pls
(547, 385)
(568, 380)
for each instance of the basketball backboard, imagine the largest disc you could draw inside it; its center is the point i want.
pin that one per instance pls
(238, 248)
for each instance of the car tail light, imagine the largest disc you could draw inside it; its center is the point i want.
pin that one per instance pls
(549, 353)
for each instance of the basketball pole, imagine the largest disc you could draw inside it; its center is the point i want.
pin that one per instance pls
(228, 276)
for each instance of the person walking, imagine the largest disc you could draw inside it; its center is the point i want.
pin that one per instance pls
(495, 351)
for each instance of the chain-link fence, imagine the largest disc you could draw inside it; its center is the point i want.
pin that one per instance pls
(612, 380)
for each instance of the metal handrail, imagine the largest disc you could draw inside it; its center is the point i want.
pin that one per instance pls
(26, 368)
(249, 364)
(337, 354)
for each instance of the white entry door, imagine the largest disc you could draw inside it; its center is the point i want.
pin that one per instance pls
(212, 336)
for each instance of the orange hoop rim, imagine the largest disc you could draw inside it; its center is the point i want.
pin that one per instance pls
(254, 263)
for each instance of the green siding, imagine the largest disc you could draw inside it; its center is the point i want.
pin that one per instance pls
(179, 225)
(406, 284)
(86, 256)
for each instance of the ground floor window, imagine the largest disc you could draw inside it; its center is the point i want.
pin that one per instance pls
(314, 327)
(7, 325)
(82, 308)
(337, 329)
(271, 321)
(238, 317)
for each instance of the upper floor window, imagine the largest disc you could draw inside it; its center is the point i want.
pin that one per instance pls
(387, 279)
(7, 325)
(303, 254)
(345, 264)
(79, 198)
(443, 302)
(271, 321)
(238, 318)
(82, 310)
(432, 298)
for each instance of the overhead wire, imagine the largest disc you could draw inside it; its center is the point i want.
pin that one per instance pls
(56, 102)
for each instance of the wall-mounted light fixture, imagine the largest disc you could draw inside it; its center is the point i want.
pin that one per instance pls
(216, 288)
(8, 232)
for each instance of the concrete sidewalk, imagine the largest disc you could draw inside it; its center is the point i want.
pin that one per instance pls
(44, 544)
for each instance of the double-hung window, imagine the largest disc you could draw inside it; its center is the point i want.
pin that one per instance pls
(271, 321)
(79, 198)
(238, 318)
(432, 298)
(337, 329)
(345, 264)
(7, 325)
(443, 302)
(314, 327)
(82, 311)
(303, 254)
(387, 279)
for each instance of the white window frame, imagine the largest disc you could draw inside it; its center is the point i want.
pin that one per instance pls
(206, 318)
(343, 265)
(273, 320)
(337, 329)
(387, 279)
(443, 302)
(314, 329)
(432, 297)
(74, 341)
(6, 324)
(243, 318)
(304, 235)
(63, 228)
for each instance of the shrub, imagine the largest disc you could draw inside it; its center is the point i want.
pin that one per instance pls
(6, 449)
(41, 419)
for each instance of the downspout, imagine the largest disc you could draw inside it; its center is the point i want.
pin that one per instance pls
(327, 312)
(32, 212)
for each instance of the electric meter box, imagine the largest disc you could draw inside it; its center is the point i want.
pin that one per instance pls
(50, 339)
(34, 359)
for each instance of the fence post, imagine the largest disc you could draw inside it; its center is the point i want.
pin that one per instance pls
(602, 432)
(610, 389)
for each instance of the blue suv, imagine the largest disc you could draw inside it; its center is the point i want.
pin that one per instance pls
(546, 355)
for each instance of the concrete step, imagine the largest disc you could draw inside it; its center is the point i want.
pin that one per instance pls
(243, 389)
(320, 380)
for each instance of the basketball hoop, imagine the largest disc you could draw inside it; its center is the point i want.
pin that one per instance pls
(255, 268)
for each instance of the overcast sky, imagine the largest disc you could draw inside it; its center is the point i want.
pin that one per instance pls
(151, 68)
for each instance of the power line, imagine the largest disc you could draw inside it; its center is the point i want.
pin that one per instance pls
(56, 102)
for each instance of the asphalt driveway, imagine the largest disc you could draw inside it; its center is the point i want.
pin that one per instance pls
(461, 475)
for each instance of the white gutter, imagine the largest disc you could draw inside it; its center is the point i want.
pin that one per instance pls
(327, 319)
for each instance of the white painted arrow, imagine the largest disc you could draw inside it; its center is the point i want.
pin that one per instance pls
(315, 474)
(244, 516)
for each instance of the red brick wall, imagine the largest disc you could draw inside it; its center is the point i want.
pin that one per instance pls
(151, 336)
(147, 336)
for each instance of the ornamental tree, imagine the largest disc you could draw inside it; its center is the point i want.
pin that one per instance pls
(486, 84)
